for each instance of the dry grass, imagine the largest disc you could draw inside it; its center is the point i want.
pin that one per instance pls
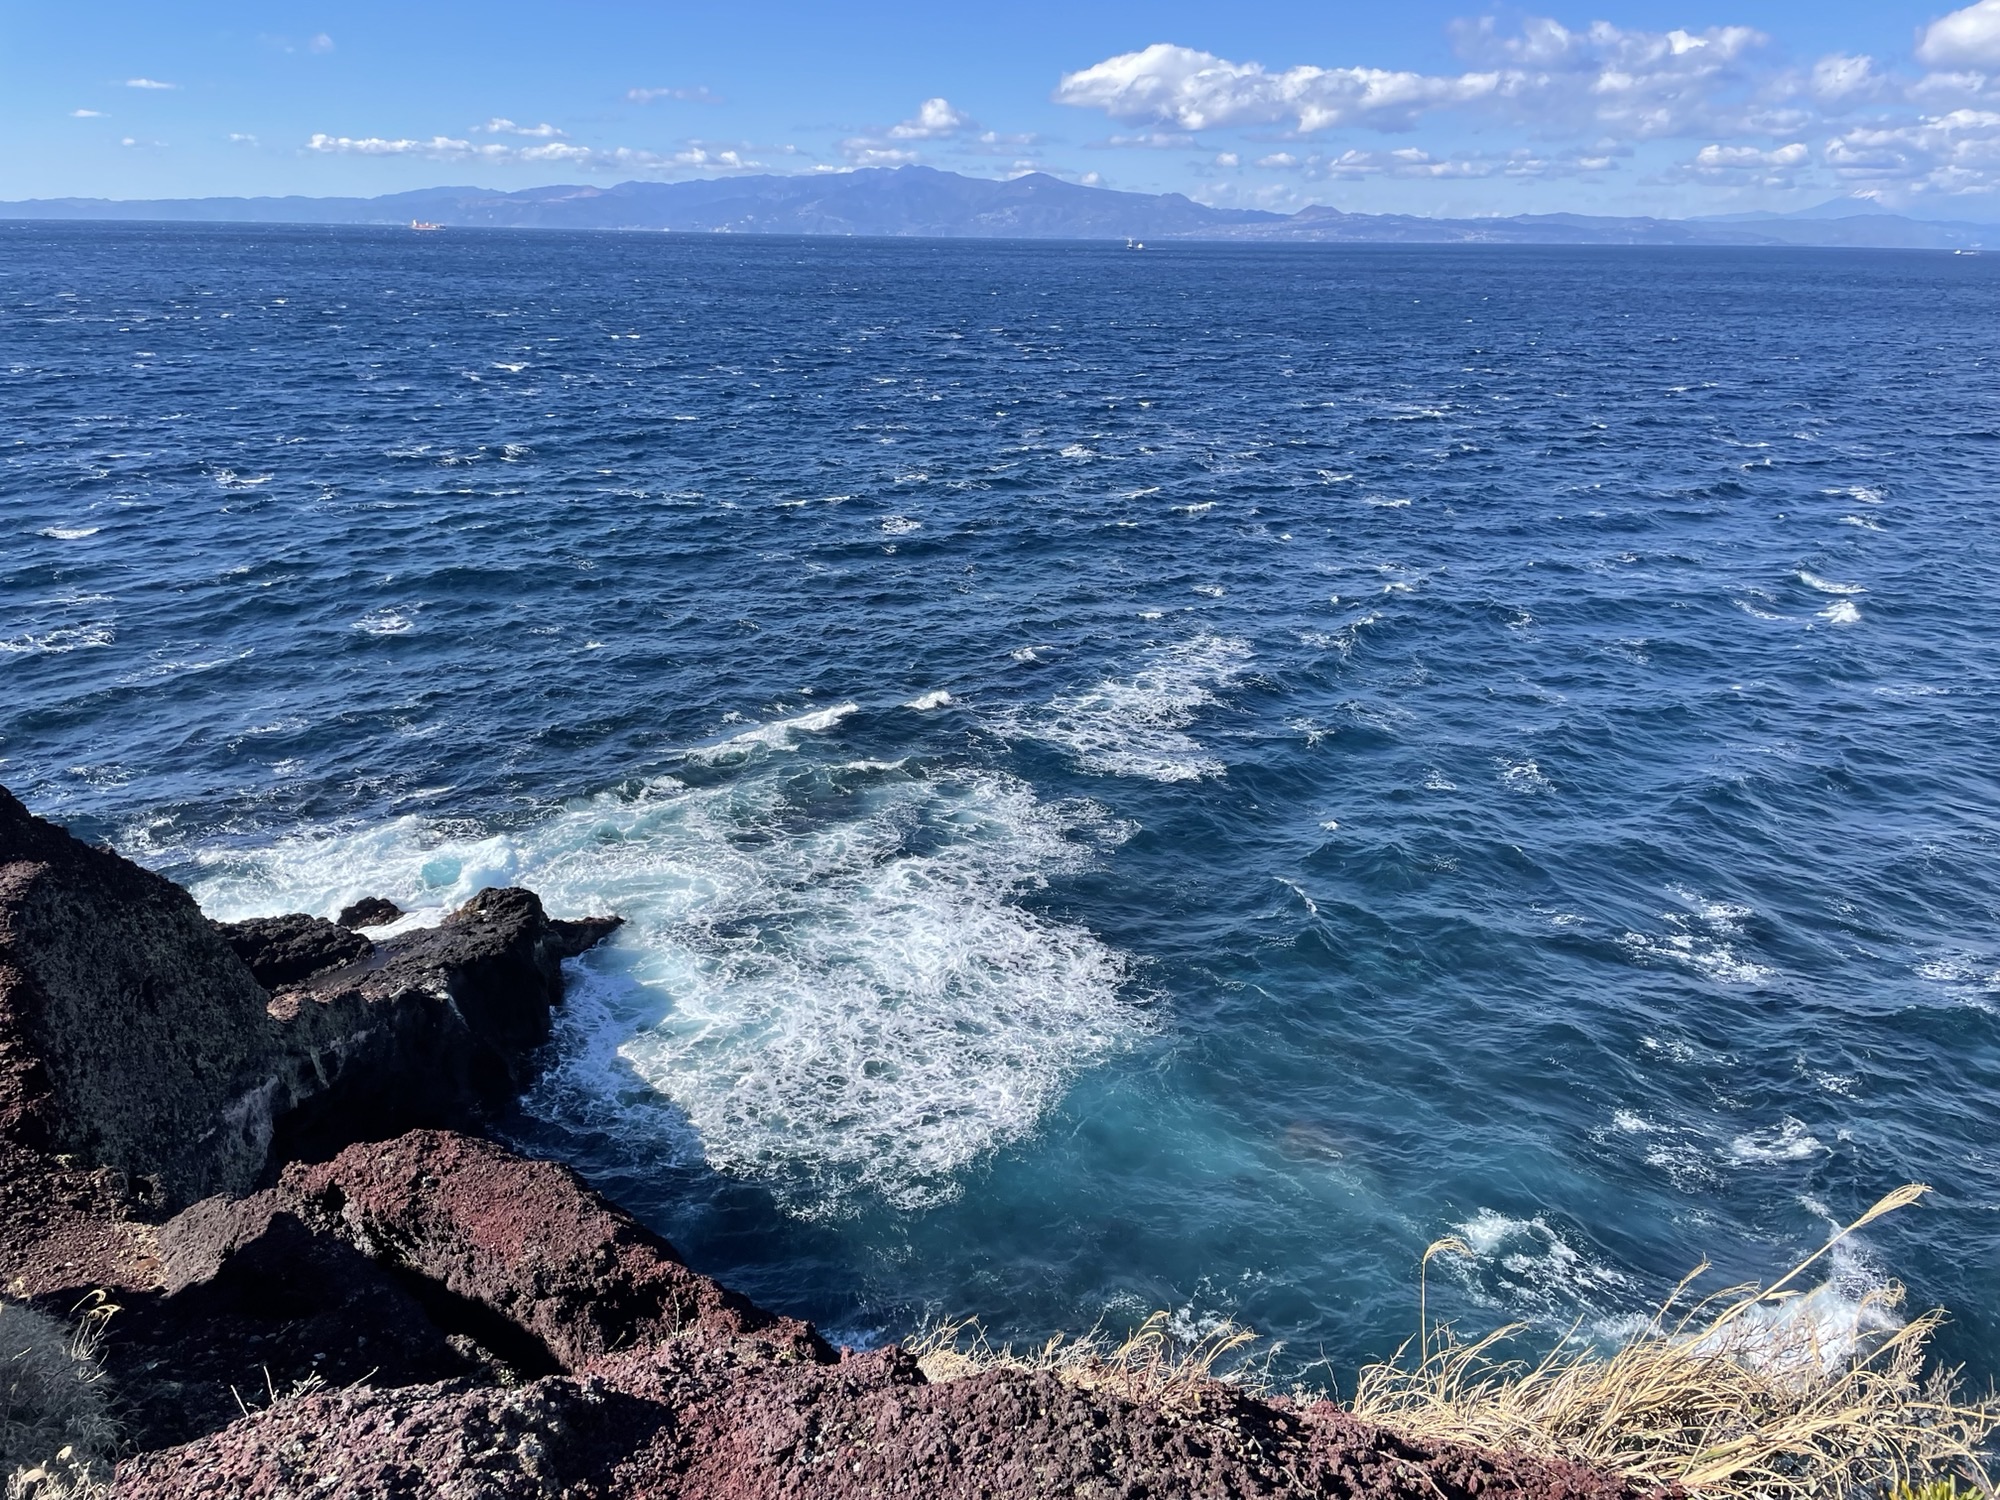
(1723, 1395)
(1732, 1396)
(1150, 1366)
(56, 1433)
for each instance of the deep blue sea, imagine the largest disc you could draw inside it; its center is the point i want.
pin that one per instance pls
(1162, 780)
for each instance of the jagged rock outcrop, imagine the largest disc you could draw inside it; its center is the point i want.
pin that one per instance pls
(189, 1058)
(253, 1138)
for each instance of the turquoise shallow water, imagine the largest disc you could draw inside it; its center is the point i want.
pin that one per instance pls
(1160, 781)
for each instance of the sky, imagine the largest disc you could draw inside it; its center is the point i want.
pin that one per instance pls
(1442, 107)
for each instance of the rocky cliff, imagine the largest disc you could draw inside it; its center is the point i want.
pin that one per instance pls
(261, 1143)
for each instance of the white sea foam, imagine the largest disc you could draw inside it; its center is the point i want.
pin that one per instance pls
(1210, 590)
(1137, 725)
(924, 702)
(68, 533)
(229, 479)
(901, 525)
(1702, 938)
(1199, 508)
(1827, 585)
(1524, 776)
(1527, 1266)
(779, 734)
(1789, 1140)
(386, 621)
(842, 998)
(1841, 612)
(56, 642)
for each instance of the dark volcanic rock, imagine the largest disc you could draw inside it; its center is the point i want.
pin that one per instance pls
(128, 1026)
(369, 911)
(141, 1057)
(284, 950)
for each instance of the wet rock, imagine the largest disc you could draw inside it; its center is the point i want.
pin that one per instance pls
(369, 911)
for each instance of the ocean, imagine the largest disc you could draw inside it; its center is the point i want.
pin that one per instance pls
(1162, 780)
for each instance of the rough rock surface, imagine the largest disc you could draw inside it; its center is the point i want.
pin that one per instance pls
(253, 1139)
(135, 1036)
(283, 950)
(369, 911)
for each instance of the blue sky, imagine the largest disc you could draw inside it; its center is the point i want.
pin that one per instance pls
(1681, 106)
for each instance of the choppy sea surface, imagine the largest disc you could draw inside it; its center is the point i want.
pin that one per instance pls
(1162, 780)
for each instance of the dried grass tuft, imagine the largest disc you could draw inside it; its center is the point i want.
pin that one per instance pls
(1150, 1366)
(1723, 1395)
(56, 1432)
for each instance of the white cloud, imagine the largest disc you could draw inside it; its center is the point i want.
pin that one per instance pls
(1415, 163)
(1152, 140)
(1228, 159)
(1968, 38)
(320, 43)
(1637, 83)
(86, 114)
(1840, 79)
(699, 95)
(1745, 166)
(696, 155)
(863, 152)
(499, 126)
(1194, 90)
(148, 83)
(934, 120)
(1950, 154)
(240, 139)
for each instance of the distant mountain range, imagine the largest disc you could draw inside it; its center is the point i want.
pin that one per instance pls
(925, 202)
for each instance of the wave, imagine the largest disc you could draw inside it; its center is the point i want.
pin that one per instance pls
(779, 734)
(63, 638)
(1137, 725)
(838, 994)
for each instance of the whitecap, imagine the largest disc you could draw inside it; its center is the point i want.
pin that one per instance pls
(1841, 612)
(901, 525)
(779, 734)
(1199, 508)
(385, 621)
(1210, 590)
(1524, 776)
(924, 702)
(1827, 585)
(62, 639)
(1137, 725)
(68, 533)
(1788, 1140)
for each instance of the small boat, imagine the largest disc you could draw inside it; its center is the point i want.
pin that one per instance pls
(1132, 244)
(424, 224)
